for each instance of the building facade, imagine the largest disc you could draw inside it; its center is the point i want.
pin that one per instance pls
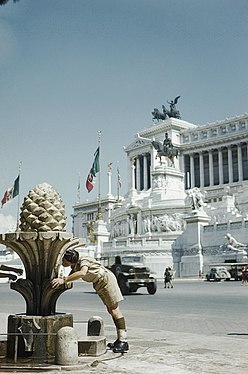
(156, 218)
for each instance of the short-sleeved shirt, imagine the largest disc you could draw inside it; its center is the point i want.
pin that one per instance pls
(104, 281)
(95, 269)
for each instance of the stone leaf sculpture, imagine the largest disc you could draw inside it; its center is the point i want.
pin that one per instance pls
(41, 241)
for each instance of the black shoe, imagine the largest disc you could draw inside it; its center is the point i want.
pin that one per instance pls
(112, 345)
(121, 347)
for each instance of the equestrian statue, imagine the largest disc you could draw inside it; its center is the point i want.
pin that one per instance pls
(166, 149)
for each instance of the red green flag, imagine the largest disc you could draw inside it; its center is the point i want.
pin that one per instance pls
(11, 192)
(90, 181)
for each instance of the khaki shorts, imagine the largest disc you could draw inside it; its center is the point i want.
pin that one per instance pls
(108, 290)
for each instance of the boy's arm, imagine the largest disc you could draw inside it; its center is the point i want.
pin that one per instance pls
(70, 278)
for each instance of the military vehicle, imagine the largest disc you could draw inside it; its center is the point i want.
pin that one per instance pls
(131, 273)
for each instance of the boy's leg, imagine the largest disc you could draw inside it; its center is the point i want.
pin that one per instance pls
(121, 344)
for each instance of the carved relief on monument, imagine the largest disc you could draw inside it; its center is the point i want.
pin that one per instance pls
(211, 251)
(146, 224)
(175, 182)
(159, 181)
(118, 229)
(163, 223)
(192, 251)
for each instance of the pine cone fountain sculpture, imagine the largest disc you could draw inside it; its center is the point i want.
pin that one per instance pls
(43, 210)
(41, 241)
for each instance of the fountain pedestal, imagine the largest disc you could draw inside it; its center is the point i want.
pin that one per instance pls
(28, 335)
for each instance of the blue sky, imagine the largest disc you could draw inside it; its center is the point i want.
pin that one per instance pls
(71, 68)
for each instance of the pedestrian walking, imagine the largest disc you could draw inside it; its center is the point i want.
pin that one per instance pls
(168, 278)
(244, 275)
(165, 277)
(106, 286)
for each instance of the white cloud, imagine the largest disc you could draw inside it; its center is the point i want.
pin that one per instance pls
(7, 223)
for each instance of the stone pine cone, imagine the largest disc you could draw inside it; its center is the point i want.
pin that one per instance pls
(42, 210)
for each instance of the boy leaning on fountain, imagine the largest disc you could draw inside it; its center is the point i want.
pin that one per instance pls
(105, 285)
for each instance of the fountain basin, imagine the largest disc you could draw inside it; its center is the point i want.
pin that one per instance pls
(34, 335)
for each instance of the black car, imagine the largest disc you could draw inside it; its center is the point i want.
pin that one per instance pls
(218, 274)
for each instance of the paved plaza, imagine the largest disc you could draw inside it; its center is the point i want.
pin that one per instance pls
(185, 338)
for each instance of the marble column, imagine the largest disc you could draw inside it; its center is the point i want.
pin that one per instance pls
(192, 171)
(220, 162)
(240, 163)
(138, 173)
(145, 172)
(230, 164)
(109, 194)
(132, 161)
(201, 169)
(211, 169)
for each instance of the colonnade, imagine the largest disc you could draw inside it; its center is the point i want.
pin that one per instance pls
(141, 172)
(209, 167)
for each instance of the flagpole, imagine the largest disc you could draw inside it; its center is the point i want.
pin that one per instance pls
(79, 188)
(18, 199)
(99, 176)
(118, 185)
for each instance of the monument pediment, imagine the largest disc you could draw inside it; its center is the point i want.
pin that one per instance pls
(139, 142)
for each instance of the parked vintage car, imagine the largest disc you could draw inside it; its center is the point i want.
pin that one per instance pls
(218, 274)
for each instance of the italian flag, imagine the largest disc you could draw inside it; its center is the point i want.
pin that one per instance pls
(11, 192)
(90, 181)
